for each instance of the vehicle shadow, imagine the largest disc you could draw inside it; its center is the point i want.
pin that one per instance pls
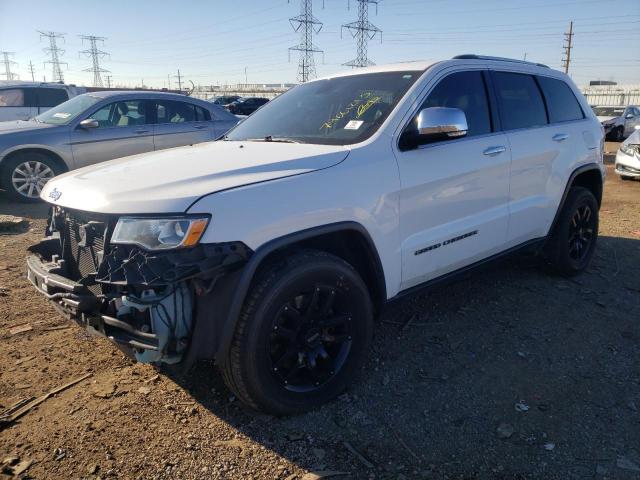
(448, 365)
(28, 210)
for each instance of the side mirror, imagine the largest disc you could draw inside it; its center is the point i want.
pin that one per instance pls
(434, 124)
(89, 123)
(629, 116)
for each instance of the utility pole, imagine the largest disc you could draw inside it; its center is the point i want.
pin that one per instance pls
(108, 77)
(363, 31)
(307, 25)
(95, 54)
(54, 53)
(179, 77)
(9, 75)
(568, 37)
(245, 77)
(32, 71)
(168, 81)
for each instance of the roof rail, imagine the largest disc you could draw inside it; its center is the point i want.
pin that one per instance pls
(472, 56)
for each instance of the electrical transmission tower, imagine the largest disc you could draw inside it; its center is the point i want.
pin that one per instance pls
(307, 25)
(9, 75)
(54, 53)
(568, 37)
(95, 55)
(363, 31)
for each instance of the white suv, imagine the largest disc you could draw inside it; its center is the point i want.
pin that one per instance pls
(272, 250)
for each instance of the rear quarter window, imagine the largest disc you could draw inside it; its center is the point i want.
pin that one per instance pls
(50, 97)
(562, 104)
(519, 101)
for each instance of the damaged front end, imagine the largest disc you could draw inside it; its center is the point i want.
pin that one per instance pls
(153, 304)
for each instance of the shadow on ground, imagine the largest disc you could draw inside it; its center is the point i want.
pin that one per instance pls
(434, 391)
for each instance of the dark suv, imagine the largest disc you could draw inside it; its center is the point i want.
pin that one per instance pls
(246, 106)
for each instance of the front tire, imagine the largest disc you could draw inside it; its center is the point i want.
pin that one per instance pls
(303, 334)
(25, 175)
(571, 244)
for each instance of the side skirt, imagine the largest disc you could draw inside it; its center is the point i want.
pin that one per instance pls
(535, 245)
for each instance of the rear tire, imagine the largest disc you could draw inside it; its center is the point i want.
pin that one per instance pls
(24, 175)
(571, 244)
(618, 134)
(303, 334)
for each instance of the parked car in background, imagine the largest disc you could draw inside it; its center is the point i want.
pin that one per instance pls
(25, 100)
(246, 106)
(224, 100)
(628, 157)
(99, 126)
(618, 122)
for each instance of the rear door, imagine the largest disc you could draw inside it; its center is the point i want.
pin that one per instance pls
(454, 199)
(125, 128)
(181, 123)
(545, 135)
(17, 104)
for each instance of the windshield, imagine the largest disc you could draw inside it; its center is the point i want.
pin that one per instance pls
(608, 111)
(336, 111)
(67, 111)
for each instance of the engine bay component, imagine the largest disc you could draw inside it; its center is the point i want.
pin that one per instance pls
(166, 313)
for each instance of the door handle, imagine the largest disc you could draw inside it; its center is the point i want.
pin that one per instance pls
(141, 131)
(199, 127)
(560, 137)
(494, 150)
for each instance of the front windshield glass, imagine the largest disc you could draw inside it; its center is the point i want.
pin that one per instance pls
(67, 111)
(608, 111)
(336, 111)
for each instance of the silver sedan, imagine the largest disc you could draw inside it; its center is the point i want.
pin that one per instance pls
(100, 126)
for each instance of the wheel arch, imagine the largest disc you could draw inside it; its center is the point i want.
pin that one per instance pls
(60, 163)
(347, 240)
(588, 176)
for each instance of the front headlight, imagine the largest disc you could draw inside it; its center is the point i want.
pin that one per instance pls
(159, 233)
(629, 149)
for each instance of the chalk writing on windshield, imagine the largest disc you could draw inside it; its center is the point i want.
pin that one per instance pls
(361, 104)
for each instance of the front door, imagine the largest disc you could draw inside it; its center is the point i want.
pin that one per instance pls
(124, 129)
(454, 195)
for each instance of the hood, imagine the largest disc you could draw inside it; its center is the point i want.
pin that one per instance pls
(607, 119)
(22, 126)
(633, 139)
(169, 181)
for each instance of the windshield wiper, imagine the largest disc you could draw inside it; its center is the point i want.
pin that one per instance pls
(270, 138)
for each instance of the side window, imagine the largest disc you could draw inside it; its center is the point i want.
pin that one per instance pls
(50, 97)
(466, 91)
(12, 97)
(202, 115)
(170, 111)
(122, 114)
(561, 102)
(519, 100)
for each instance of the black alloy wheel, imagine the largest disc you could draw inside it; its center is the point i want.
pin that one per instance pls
(311, 338)
(581, 232)
(302, 336)
(572, 241)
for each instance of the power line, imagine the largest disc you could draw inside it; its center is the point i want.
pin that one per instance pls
(9, 75)
(307, 25)
(95, 55)
(54, 53)
(567, 48)
(32, 71)
(363, 31)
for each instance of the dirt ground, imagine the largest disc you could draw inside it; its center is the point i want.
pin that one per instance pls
(511, 373)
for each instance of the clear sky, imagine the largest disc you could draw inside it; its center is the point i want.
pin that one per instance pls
(212, 42)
